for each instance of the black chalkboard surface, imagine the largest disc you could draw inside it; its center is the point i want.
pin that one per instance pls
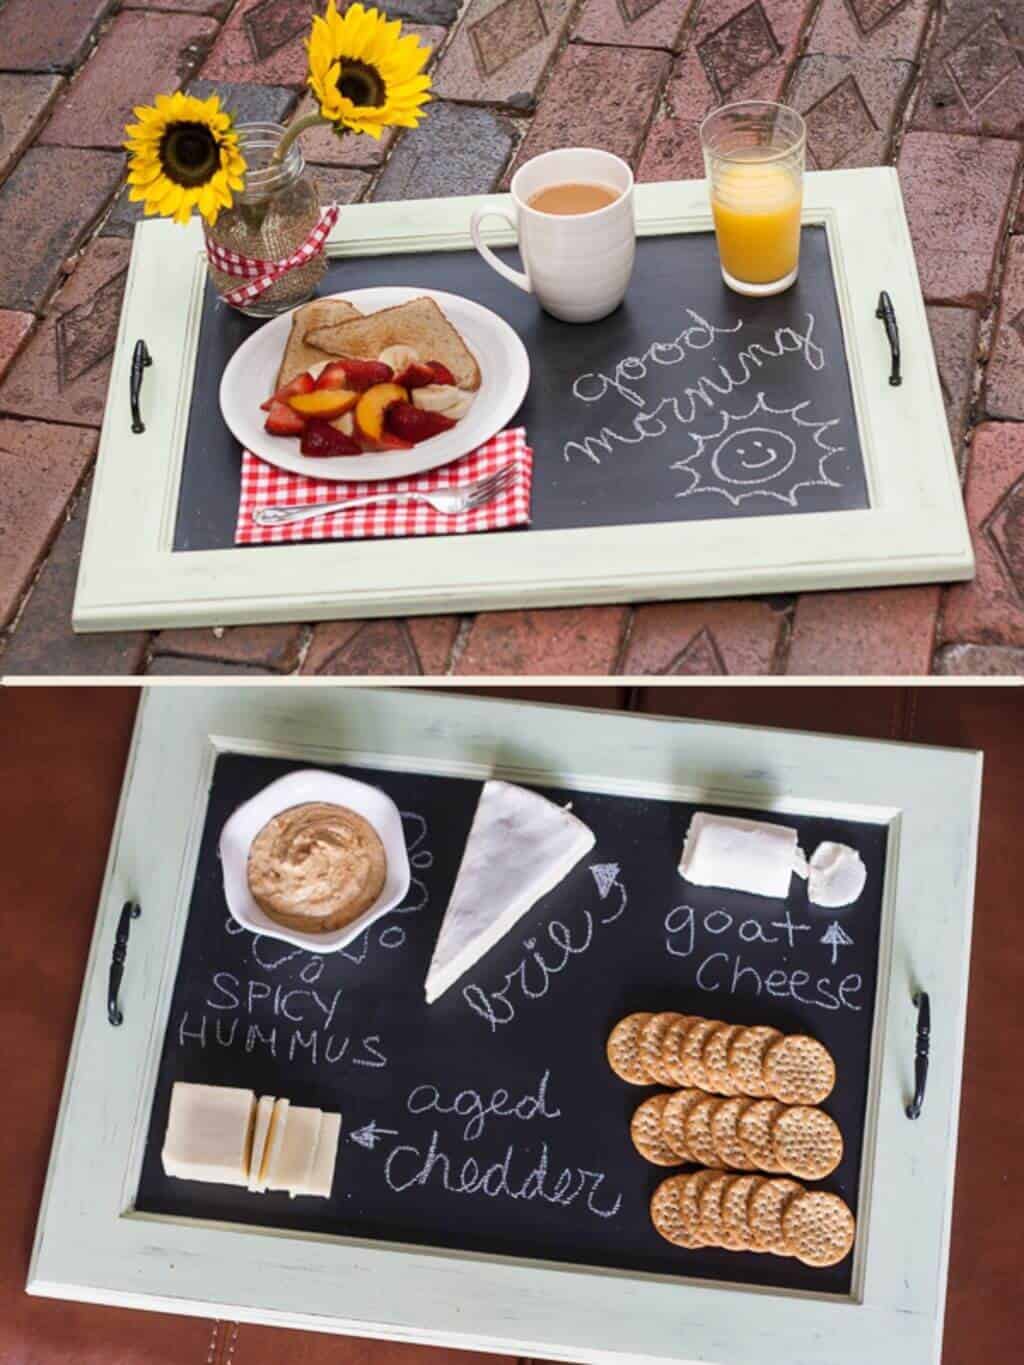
(490, 1121)
(688, 403)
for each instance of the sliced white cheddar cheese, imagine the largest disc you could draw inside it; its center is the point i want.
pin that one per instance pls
(260, 1133)
(520, 846)
(209, 1133)
(275, 1137)
(321, 1175)
(293, 1159)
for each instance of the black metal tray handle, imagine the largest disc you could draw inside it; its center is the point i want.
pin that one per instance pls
(129, 911)
(924, 1028)
(141, 359)
(886, 314)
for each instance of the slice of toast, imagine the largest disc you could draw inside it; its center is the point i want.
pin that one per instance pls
(298, 354)
(418, 323)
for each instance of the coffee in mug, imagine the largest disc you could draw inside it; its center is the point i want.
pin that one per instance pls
(572, 213)
(573, 197)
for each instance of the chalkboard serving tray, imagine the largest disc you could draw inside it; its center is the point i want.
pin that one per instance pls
(644, 486)
(402, 1249)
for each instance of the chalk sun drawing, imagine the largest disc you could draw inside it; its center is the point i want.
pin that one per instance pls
(748, 458)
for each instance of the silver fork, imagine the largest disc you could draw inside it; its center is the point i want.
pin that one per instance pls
(449, 501)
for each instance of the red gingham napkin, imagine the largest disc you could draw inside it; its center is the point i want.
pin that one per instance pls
(264, 485)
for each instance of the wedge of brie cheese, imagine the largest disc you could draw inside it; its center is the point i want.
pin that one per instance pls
(520, 846)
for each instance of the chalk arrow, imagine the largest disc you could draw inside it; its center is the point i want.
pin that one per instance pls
(836, 937)
(605, 875)
(369, 1135)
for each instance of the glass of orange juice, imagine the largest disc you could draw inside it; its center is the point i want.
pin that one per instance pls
(754, 155)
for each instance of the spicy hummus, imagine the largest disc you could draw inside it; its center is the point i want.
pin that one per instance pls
(316, 867)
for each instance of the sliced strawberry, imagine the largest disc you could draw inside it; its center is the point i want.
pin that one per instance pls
(389, 441)
(442, 374)
(416, 376)
(333, 376)
(361, 374)
(302, 383)
(320, 439)
(413, 424)
(283, 420)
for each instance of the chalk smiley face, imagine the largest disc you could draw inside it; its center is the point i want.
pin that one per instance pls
(753, 455)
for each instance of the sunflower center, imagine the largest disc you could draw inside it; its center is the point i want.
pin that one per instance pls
(189, 154)
(362, 84)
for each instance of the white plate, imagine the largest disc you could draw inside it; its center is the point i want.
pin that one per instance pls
(505, 376)
(311, 784)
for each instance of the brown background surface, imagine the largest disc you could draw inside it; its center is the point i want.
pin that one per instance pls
(63, 750)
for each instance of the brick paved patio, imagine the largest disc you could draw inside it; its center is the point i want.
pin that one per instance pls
(936, 90)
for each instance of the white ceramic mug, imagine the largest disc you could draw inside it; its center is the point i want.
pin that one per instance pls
(578, 264)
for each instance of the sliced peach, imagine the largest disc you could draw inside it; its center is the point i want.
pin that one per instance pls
(325, 403)
(370, 410)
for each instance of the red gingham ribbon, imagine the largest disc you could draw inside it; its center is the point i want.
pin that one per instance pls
(265, 485)
(262, 274)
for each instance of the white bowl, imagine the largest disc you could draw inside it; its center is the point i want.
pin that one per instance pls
(311, 784)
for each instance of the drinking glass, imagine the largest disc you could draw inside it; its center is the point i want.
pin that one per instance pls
(754, 157)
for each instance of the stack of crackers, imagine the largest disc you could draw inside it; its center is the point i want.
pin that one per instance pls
(746, 1101)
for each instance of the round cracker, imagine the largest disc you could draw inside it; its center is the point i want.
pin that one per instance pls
(799, 1070)
(648, 1136)
(691, 1058)
(667, 1214)
(716, 1059)
(754, 1131)
(735, 1200)
(709, 1203)
(819, 1228)
(697, 1127)
(728, 1149)
(746, 1058)
(671, 1048)
(806, 1142)
(689, 1197)
(652, 1036)
(673, 1120)
(767, 1205)
(623, 1049)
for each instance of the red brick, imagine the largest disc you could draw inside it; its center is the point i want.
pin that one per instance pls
(500, 50)
(39, 37)
(43, 643)
(263, 41)
(979, 661)
(361, 649)
(869, 28)
(597, 97)
(14, 328)
(737, 50)
(582, 640)
(990, 610)
(694, 639)
(47, 205)
(40, 467)
(143, 55)
(170, 666)
(433, 637)
(973, 79)
(880, 631)
(850, 106)
(1004, 377)
(339, 185)
(272, 647)
(633, 23)
(956, 191)
(24, 101)
(954, 337)
(63, 372)
(216, 8)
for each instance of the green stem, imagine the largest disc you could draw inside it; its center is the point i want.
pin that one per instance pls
(299, 126)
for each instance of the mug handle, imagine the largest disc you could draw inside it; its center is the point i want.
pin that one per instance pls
(517, 277)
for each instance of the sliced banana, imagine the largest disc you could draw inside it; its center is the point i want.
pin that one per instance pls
(446, 398)
(398, 357)
(345, 424)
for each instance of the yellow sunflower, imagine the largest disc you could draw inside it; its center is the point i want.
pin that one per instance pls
(365, 75)
(183, 155)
